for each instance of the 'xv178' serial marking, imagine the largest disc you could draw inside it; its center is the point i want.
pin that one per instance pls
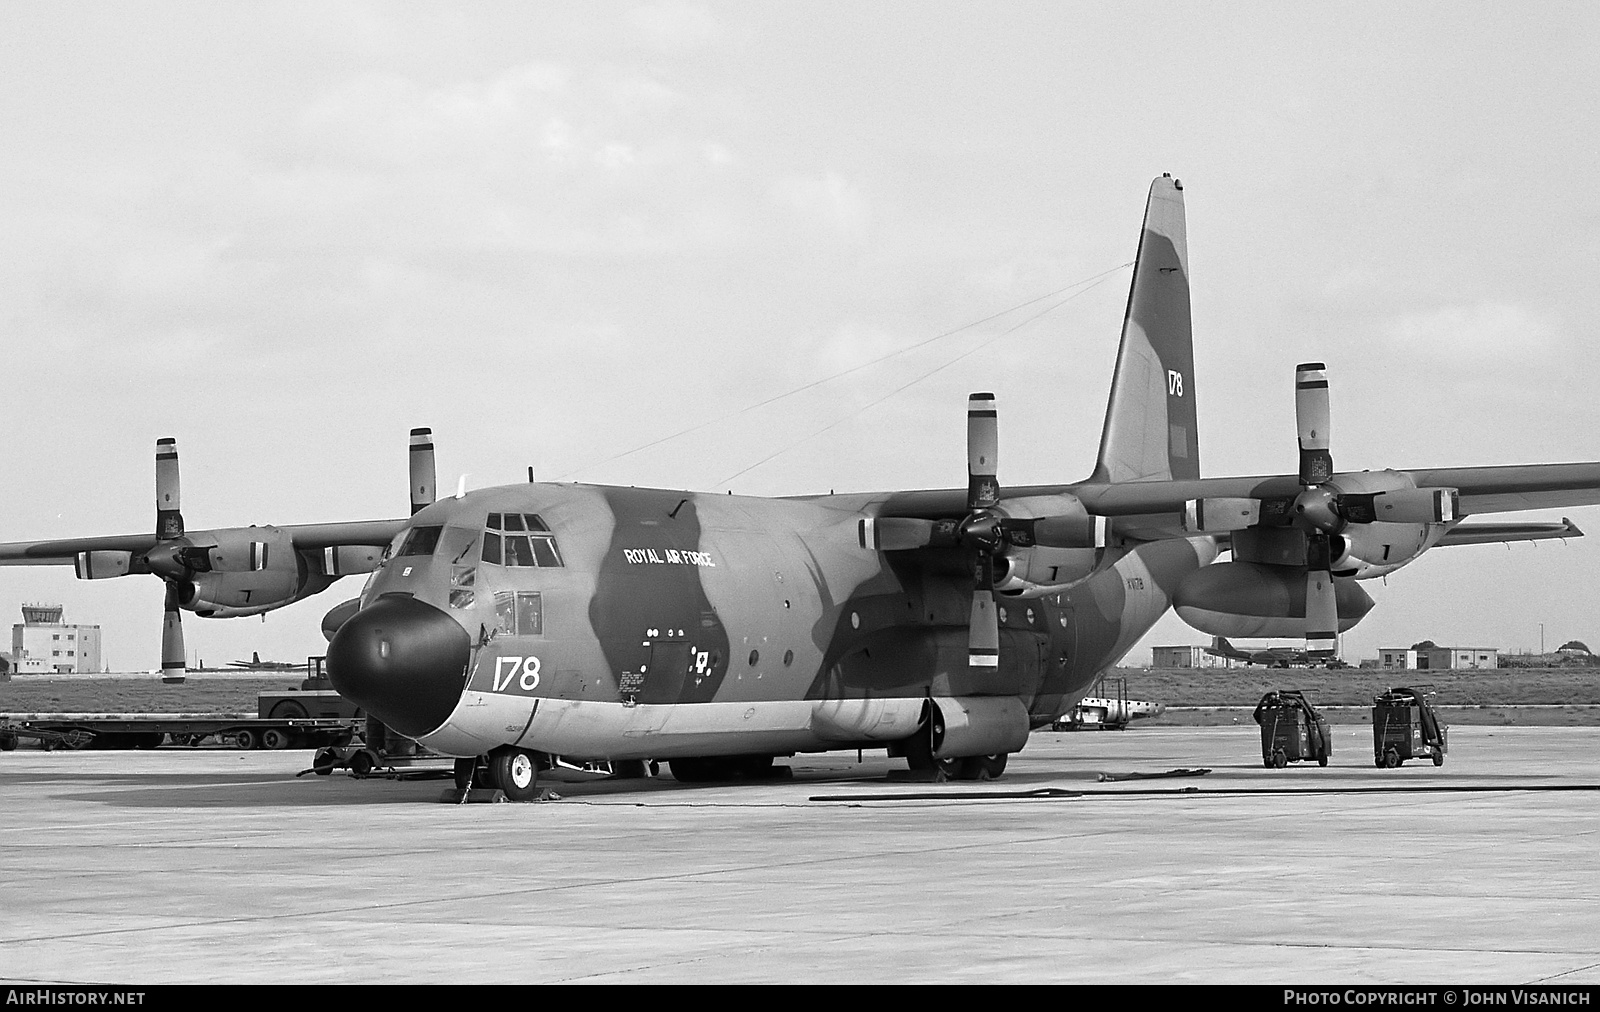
(524, 669)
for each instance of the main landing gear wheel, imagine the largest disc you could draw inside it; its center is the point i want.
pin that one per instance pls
(464, 768)
(516, 772)
(975, 767)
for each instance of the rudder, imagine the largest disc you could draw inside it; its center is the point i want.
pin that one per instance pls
(1150, 430)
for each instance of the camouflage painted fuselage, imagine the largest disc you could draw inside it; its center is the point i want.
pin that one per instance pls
(658, 623)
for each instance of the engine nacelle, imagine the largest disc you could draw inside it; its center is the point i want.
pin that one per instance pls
(102, 565)
(1249, 600)
(248, 550)
(231, 595)
(1029, 569)
(1368, 550)
(345, 560)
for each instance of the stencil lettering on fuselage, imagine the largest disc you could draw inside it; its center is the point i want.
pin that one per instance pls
(640, 588)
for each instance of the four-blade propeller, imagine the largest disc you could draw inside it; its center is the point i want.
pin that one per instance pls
(167, 559)
(1321, 509)
(986, 532)
(178, 559)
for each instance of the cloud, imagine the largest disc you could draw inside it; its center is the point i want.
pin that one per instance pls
(1481, 333)
(829, 201)
(675, 26)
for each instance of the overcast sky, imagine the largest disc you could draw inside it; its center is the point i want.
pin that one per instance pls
(287, 233)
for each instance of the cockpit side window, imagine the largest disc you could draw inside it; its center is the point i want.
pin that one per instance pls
(420, 541)
(458, 543)
(519, 614)
(535, 548)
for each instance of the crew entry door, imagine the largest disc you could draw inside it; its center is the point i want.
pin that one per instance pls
(670, 660)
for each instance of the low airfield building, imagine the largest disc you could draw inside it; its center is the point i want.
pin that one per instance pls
(1438, 658)
(1186, 657)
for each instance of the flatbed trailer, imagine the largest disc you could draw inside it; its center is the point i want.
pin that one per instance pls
(313, 716)
(152, 730)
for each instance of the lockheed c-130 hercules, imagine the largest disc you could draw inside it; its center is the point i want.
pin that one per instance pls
(508, 625)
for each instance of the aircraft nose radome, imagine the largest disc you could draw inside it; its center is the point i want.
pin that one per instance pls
(401, 660)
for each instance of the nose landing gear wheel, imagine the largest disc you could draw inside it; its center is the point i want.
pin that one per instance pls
(323, 762)
(516, 772)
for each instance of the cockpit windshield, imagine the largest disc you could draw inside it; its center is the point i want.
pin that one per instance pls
(519, 539)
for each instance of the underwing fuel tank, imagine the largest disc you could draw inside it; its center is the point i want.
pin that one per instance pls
(1247, 599)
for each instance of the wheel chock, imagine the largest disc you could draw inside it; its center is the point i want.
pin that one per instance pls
(472, 796)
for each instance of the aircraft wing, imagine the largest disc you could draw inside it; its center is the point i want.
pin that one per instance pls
(62, 552)
(1517, 486)
(1494, 534)
(1482, 489)
(1151, 510)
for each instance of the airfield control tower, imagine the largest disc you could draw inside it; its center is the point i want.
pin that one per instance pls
(43, 644)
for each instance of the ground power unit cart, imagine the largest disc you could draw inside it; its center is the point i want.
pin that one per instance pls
(1404, 726)
(1291, 730)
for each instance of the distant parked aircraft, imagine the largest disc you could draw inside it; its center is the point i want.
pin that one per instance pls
(255, 663)
(1272, 657)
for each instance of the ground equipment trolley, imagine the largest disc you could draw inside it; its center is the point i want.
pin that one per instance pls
(1404, 726)
(1291, 730)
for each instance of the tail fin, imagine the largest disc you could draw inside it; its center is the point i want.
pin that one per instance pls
(1150, 430)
